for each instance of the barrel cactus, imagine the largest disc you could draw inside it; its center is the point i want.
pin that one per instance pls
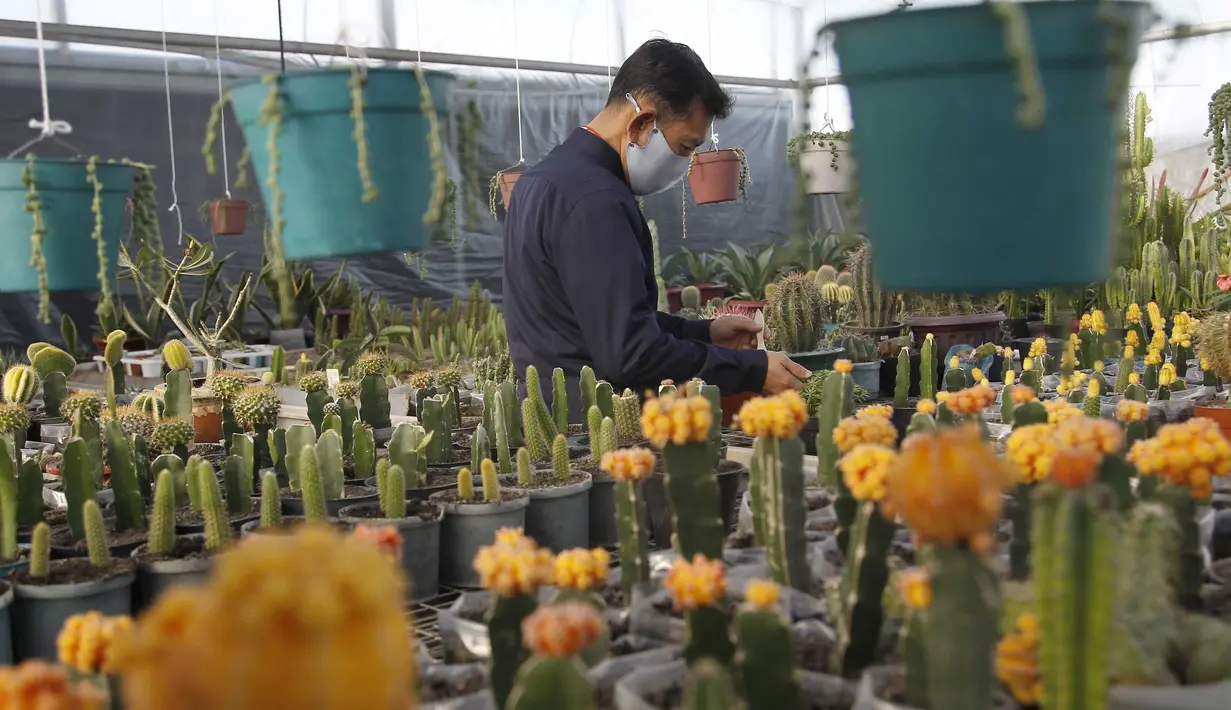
(858, 348)
(86, 404)
(14, 419)
(314, 381)
(151, 404)
(227, 384)
(176, 355)
(793, 314)
(135, 421)
(347, 389)
(21, 383)
(257, 406)
(372, 363)
(170, 433)
(448, 376)
(421, 380)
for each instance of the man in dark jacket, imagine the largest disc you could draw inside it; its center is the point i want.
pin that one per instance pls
(579, 285)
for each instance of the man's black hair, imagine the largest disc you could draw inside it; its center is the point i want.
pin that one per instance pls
(672, 76)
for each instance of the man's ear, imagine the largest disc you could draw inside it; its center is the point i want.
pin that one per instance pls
(639, 126)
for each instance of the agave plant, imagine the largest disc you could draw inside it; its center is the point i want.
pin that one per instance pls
(748, 273)
(690, 268)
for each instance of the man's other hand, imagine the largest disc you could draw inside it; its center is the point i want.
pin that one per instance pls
(783, 374)
(734, 332)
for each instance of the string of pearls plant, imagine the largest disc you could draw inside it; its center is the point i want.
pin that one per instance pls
(443, 199)
(211, 138)
(358, 78)
(1219, 132)
(37, 259)
(1018, 46)
(96, 207)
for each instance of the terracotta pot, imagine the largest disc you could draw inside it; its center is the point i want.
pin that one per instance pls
(947, 331)
(709, 291)
(673, 298)
(228, 217)
(750, 306)
(507, 181)
(1221, 415)
(714, 176)
(207, 419)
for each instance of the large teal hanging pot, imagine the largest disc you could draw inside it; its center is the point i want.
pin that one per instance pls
(318, 158)
(957, 194)
(64, 199)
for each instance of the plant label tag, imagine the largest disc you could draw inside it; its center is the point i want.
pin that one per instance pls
(333, 377)
(759, 317)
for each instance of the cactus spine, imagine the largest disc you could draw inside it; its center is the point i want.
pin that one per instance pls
(927, 368)
(271, 501)
(793, 314)
(512, 414)
(901, 383)
(543, 421)
(525, 471)
(1092, 405)
(329, 465)
(626, 411)
(465, 484)
(560, 469)
(491, 484)
(217, 522)
(480, 447)
(393, 493)
(277, 365)
(95, 534)
(40, 551)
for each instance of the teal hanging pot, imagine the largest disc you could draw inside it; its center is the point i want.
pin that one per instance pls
(961, 190)
(63, 197)
(336, 200)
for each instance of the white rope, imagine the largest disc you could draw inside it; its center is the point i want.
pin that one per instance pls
(521, 153)
(418, 36)
(222, 107)
(46, 127)
(345, 29)
(825, 23)
(709, 51)
(166, 77)
(607, 57)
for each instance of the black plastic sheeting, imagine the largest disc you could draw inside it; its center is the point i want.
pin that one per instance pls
(132, 124)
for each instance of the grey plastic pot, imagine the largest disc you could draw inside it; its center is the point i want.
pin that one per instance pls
(874, 680)
(254, 527)
(868, 376)
(1212, 696)
(603, 530)
(6, 625)
(559, 518)
(39, 611)
(333, 506)
(632, 692)
(420, 493)
(420, 547)
(468, 526)
(155, 577)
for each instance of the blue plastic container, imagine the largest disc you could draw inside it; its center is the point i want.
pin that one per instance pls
(957, 195)
(318, 159)
(65, 197)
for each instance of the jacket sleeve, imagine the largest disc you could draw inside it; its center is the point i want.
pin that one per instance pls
(599, 262)
(684, 328)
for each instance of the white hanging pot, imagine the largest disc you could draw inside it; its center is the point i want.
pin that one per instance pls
(826, 168)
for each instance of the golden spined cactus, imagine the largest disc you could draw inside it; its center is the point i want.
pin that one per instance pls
(1059, 410)
(581, 570)
(926, 406)
(676, 420)
(777, 417)
(513, 565)
(562, 630)
(1130, 410)
(865, 469)
(1031, 449)
(698, 588)
(39, 685)
(631, 464)
(884, 411)
(278, 607)
(971, 401)
(853, 431)
(1098, 436)
(86, 641)
(1017, 661)
(1187, 455)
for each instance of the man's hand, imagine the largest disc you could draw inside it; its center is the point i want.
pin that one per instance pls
(734, 332)
(783, 374)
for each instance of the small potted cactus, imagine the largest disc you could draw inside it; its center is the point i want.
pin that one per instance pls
(865, 361)
(558, 516)
(417, 524)
(824, 160)
(315, 470)
(256, 410)
(554, 675)
(408, 448)
(794, 322)
(48, 593)
(471, 521)
(53, 367)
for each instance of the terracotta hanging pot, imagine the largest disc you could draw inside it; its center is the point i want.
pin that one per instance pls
(228, 217)
(715, 175)
(507, 181)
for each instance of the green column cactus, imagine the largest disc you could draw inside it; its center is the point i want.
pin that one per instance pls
(489, 407)
(141, 457)
(692, 488)
(794, 314)
(777, 491)
(297, 437)
(271, 502)
(348, 412)
(192, 474)
(589, 395)
(1146, 616)
(480, 447)
(1024, 415)
(1125, 369)
(1183, 507)
(837, 401)
(179, 380)
(8, 503)
(76, 470)
(711, 393)
(901, 383)
(602, 397)
(927, 368)
(709, 687)
(329, 465)
(218, 530)
(30, 493)
(393, 493)
(491, 484)
(626, 411)
(559, 401)
(374, 401)
(174, 464)
(233, 472)
(113, 353)
(499, 420)
(955, 376)
(766, 659)
(633, 533)
(315, 385)
(243, 448)
(560, 467)
(161, 540)
(1092, 403)
(364, 448)
(277, 365)
(95, 535)
(129, 505)
(54, 367)
(1073, 532)
(860, 591)
(440, 448)
(962, 627)
(504, 624)
(40, 551)
(465, 484)
(536, 436)
(312, 488)
(545, 682)
(543, 419)
(512, 414)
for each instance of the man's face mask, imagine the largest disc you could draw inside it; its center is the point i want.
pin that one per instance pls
(653, 167)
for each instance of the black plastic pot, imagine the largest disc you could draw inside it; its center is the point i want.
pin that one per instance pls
(40, 611)
(420, 546)
(732, 480)
(156, 576)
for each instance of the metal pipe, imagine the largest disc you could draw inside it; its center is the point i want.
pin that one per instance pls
(176, 40)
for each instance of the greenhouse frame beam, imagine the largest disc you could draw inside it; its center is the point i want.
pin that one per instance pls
(194, 43)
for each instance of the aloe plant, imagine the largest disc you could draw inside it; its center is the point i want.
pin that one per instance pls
(747, 273)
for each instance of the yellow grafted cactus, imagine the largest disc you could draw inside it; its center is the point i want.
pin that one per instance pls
(1075, 468)
(582, 570)
(39, 685)
(86, 640)
(277, 607)
(1059, 410)
(1031, 449)
(699, 583)
(1132, 340)
(1098, 366)
(852, 431)
(948, 486)
(865, 470)
(845, 366)
(1130, 410)
(1010, 378)
(915, 588)
(1156, 316)
(1023, 394)
(954, 363)
(1133, 314)
(1027, 365)
(777, 417)
(562, 630)
(1098, 322)
(1188, 454)
(1134, 378)
(925, 406)
(1084, 324)
(676, 420)
(971, 400)
(1098, 436)
(1038, 348)
(762, 594)
(632, 464)
(1166, 375)
(884, 411)
(1017, 661)
(977, 375)
(514, 565)
(176, 355)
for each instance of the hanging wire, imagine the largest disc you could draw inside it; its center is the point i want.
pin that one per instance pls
(418, 37)
(607, 57)
(828, 124)
(222, 107)
(47, 128)
(281, 41)
(521, 153)
(166, 76)
(709, 50)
